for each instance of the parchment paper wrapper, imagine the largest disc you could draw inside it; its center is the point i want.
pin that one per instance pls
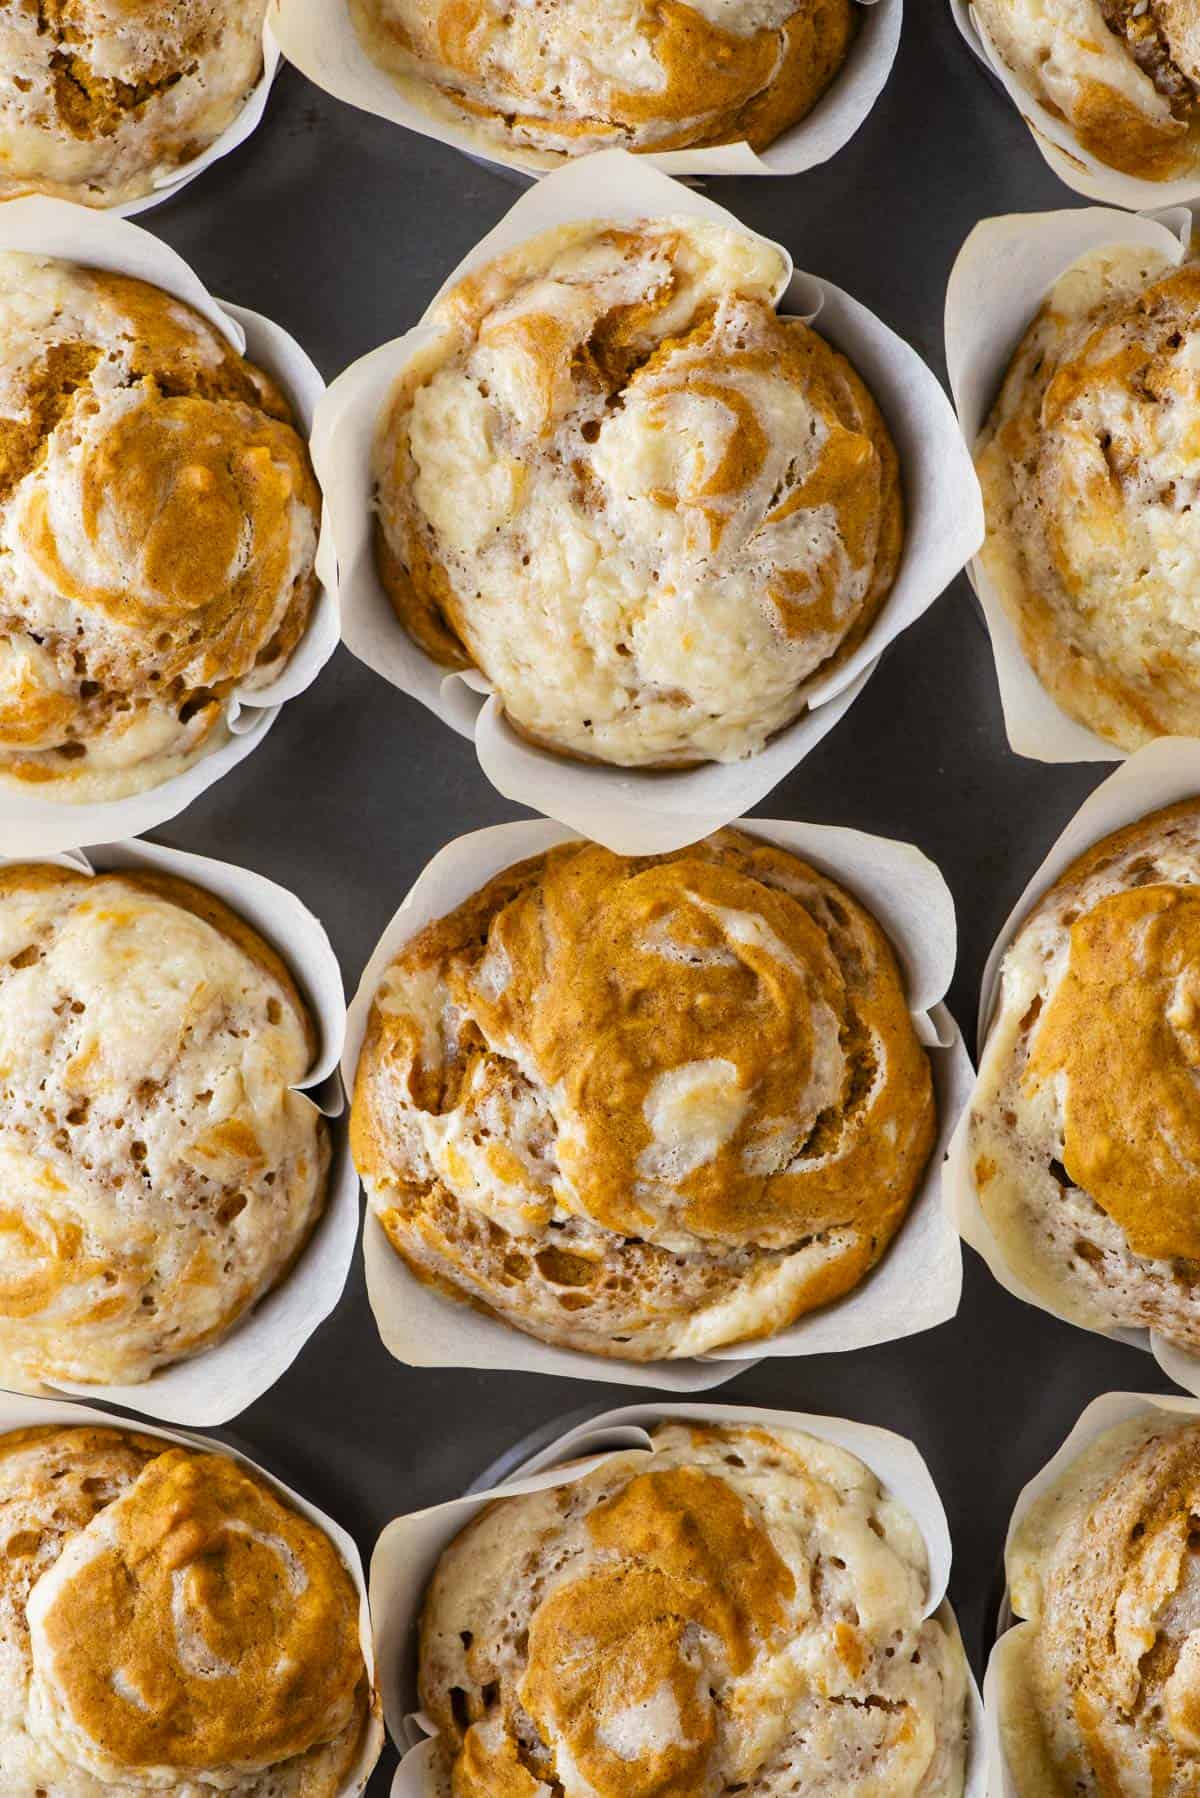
(1162, 773)
(638, 811)
(409, 1548)
(235, 133)
(997, 285)
(1103, 1414)
(917, 1284)
(30, 823)
(222, 1381)
(318, 36)
(1059, 146)
(18, 1412)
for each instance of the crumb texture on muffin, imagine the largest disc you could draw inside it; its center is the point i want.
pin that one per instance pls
(158, 525)
(645, 1107)
(564, 77)
(1124, 75)
(1084, 1131)
(646, 507)
(158, 1174)
(168, 1623)
(1099, 1687)
(1090, 477)
(103, 100)
(739, 1609)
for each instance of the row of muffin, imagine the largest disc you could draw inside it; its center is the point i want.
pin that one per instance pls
(639, 532)
(631, 1118)
(667, 1599)
(117, 106)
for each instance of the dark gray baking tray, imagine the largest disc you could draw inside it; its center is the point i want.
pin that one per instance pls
(341, 226)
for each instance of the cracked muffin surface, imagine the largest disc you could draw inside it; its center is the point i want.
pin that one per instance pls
(158, 1171)
(1124, 75)
(648, 509)
(739, 1609)
(563, 77)
(1098, 1688)
(168, 1622)
(102, 100)
(158, 527)
(1084, 1134)
(644, 1107)
(1090, 468)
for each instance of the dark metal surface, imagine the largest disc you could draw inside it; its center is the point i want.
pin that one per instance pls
(341, 226)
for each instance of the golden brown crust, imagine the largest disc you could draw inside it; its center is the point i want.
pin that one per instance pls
(676, 1015)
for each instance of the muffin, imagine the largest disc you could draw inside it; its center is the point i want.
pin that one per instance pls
(1084, 1129)
(563, 77)
(1123, 75)
(1088, 472)
(650, 511)
(1099, 1690)
(645, 1106)
(168, 1622)
(158, 525)
(158, 1172)
(101, 101)
(738, 1609)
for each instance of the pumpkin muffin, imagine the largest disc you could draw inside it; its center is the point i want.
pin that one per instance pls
(645, 1106)
(1089, 472)
(168, 1623)
(648, 509)
(1084, 1129)
(739, 1607)
(158, 1173)
(563, 77)
(158, 527)
(101, 101)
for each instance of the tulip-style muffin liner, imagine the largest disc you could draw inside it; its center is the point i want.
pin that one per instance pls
(318, 36)
(1003, 273)
(219, 1382)
(31, 823)
(409, 1549)
(1103, 1414)
(1161, 774)
(1059, 146)
(19, 1412)
(918, 1282)
(645, 811)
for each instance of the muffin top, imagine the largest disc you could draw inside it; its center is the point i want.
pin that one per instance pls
(579, 75)
(1099, 1691)
(737, 1608)
(168, 1622)
(158, 1172)
(103, 100)
(646, 507)
(1090, 474)
(1124, 75)
(1084, 1128)
(645, 1106)
(158, 523)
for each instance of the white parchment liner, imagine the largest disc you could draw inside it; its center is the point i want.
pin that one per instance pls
(18, 1412)
(639, 811)
(917, 1284)
(219, 1382)
(409, 1549)
(236, 132)
(1104, 1413)
(997, 285)
(1164, 772)
(30, 824)
(318, 36)
(1059, 146)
